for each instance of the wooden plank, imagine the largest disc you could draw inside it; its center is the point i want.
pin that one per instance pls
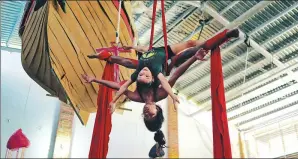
(87, 28)
(73, 96)
(103, 24)
(92, 19)
(30, 33)
(79, 40)
(71, 92)
(83, 115)
(112, 11)
(38, 47)
(109, 25)
(73, 71)
(80, 58)
(73, 56)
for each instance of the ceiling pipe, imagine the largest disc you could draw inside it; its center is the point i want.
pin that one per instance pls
(249, 84)
(270, 122)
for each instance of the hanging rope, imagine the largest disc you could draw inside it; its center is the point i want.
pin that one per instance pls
(24, 112)
(118, 24)
(116, 53)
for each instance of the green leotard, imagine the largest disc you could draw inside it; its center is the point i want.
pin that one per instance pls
(154, 60)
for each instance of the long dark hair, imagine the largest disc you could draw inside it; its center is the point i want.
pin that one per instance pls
(155, 123)
(159, 137)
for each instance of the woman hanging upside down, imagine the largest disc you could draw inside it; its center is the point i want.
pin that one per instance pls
(149, 68)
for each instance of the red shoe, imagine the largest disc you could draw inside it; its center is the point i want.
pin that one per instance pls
(104, 55)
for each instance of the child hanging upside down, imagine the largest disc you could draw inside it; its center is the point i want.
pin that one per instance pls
(149, 69)
(152, 113)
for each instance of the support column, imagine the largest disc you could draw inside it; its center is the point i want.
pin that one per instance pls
(173, 138)
(241, 146)
(64, 132)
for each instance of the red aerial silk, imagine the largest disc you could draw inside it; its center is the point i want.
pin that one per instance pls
(221, 138)
(17, 140)
(103, 122)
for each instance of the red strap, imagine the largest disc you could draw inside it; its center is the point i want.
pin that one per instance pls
(164, 28)
(152, 24)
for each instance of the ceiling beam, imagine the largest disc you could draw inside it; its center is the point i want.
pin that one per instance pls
(252, 67)
(270, 122)
(175, 24)
(265, 103)
(197, 30)
(159, 19)
(193, 3)
(240, 20)
(253, 43)
(9, 49)
(261, 5)
(251, 84)
(16, 24)
(139, 15)
(283, 109)
(283, 13)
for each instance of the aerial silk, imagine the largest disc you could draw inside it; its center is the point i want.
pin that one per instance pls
(103, 122)
(221, 138)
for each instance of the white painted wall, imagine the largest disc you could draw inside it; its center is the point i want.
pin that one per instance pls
(129, 137)
(38, 118)
(195, 133)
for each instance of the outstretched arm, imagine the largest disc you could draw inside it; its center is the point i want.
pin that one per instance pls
(110, 84)
(122, 89)
(134, 96)
(162, 94)
(168, 88)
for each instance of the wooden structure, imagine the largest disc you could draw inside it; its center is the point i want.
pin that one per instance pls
(56, 42)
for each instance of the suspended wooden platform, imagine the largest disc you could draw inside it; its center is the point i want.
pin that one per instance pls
(55, 45)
